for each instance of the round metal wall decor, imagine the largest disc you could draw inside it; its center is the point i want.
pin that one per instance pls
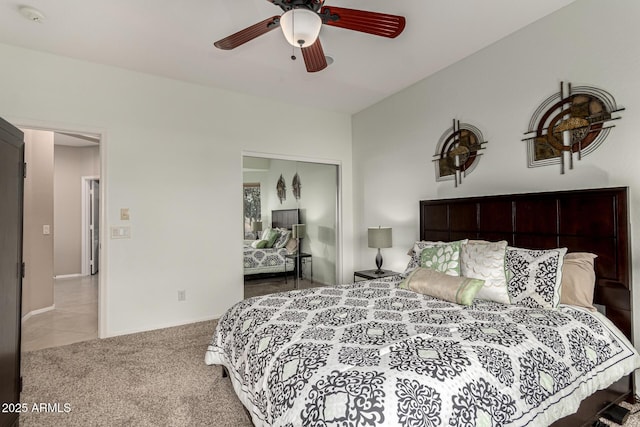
(457, 152)
(572, 122)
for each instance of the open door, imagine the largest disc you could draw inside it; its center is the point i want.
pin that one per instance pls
(11, 202)
(94, 225)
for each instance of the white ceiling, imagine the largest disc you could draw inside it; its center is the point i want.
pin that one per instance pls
(174, 39)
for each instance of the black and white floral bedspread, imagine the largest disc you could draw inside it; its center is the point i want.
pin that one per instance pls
(369, 354)
(266, 260)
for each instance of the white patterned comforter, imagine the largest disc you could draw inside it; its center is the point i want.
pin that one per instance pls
(369, 354)
(267, 260)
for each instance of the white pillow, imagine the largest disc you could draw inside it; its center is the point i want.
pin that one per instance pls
(486, 261)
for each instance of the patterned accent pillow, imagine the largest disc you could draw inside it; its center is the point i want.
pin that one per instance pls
(265, 234)
(272, 237)
(485, 260)
(458, 289)
(578, 279)
(535, 276)
(282, 240)
(259, 244)
(444, 258)
(416, 251)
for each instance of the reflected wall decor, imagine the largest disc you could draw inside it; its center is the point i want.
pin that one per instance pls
(281, 188)
(296, 185)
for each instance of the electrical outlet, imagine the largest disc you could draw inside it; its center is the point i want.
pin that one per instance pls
(182, 295)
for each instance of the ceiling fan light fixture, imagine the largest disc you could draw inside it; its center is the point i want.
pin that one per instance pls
(300, 27)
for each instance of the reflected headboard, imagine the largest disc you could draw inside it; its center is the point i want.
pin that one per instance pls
(582, 220)
(285, 218)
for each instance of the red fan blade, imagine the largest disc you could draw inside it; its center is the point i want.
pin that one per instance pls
(248, 34)
(314, 57)
(375, 23)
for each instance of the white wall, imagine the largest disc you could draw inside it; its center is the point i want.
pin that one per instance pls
(70, 165)
(497, 90)
(37, 285)
(171, 153)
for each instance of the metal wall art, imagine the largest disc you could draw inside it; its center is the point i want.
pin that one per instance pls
(570, 122)
(281, 188)
(296, 186)
(457, 153)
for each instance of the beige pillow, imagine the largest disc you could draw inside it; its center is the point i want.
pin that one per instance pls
(292, 246)
(578, 280)
(458, 289)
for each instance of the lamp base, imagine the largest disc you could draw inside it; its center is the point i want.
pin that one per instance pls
(379, 263)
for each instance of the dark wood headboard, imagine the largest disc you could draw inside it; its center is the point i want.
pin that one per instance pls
(582, 221)
(285, 218)
(594, 221)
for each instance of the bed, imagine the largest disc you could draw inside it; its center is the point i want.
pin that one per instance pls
(272, 259)
(372, 353)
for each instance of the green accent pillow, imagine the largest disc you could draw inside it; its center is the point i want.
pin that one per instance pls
(444, 258)
(259, 244)
(272, 237)
(460, 290)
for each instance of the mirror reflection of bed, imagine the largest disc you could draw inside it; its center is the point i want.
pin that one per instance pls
(314, 203)
(270, 258)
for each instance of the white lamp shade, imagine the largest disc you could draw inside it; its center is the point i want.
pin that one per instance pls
(379, 237)
(300, 27)
(298, 231)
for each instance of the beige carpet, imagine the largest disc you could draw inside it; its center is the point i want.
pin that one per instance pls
(155, 378)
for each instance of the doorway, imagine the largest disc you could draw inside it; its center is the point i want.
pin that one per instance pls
(61, 302)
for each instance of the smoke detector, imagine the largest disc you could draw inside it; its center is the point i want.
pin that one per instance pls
(31, 14)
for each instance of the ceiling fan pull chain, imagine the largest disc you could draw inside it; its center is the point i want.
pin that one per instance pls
(293, 48)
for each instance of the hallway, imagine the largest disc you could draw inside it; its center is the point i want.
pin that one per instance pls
(74, 319)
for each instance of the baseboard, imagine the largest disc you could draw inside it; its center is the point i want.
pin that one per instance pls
(38, 311)
(68, 276)
(161, 326)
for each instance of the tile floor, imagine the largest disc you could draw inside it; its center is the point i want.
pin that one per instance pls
(74, 319)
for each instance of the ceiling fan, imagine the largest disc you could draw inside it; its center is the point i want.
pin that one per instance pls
(301, 22)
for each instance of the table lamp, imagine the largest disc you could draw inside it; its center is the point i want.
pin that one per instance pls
(379, 237)
(256, 227)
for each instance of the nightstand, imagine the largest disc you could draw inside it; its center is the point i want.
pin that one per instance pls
(304, 259)
(371, 274)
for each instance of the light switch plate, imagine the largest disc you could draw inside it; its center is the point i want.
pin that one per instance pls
(124, 214)
(120, 232)
(46, 229)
